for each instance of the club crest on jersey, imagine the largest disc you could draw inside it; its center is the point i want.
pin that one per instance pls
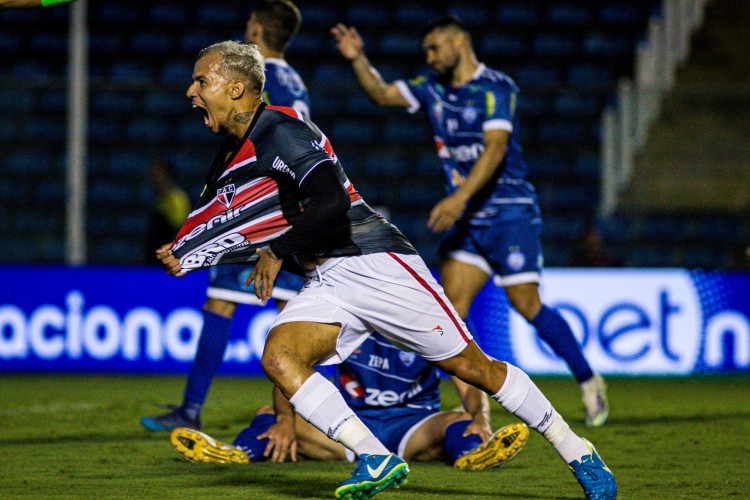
(407, 358)
(438, 329)
(516, 260)
(469, 114)
(225, 195)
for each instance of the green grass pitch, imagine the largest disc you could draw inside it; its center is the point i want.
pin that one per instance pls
(64, 436)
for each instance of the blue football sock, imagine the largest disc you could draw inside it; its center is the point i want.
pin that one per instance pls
(455, 444)
(248, 440)
(211, 347)
(554, 330)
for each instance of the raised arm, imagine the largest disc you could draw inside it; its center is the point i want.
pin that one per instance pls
(477, 404)
(351, 47)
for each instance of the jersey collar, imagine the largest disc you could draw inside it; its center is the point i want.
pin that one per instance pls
(277, 61)
(479, 71)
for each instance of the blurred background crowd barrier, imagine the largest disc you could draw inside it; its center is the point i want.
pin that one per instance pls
(628, 321)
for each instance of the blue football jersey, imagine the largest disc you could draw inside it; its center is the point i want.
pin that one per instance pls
(284, 87)
(460, 116)
(379, 375)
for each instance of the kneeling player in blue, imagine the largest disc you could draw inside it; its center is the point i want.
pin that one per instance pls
(397, 395)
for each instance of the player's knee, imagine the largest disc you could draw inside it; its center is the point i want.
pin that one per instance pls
(526, 302)
(220, 307)
(263, 410)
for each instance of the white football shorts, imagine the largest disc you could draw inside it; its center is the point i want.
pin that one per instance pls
(394, 294)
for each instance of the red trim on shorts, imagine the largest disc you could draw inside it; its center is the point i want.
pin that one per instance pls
(439, 299)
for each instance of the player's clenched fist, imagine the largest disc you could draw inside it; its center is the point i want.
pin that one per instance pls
(169, 261)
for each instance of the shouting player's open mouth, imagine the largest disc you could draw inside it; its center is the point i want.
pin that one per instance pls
(205, 114)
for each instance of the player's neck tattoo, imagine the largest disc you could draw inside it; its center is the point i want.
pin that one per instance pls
(243, 118)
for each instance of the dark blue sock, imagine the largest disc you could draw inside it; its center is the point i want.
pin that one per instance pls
(455, 444)
(208, 357)
(554, 330)
(248, 440)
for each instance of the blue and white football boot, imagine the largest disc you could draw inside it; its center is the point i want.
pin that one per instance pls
(374, 473)
(594, 476)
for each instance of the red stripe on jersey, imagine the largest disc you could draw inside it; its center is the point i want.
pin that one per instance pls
(353, 194)
(286, 110)
(268, 227)
(437, 296)
(246, 151)
(258, 190)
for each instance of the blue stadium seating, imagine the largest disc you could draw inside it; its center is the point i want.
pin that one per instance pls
(178, 71)
(100, 223)
(152, 43)
(157, 102)
(147, 130)
(536, 74)
(128, 71)
(105, 43)
(169, 14)
(587, 165)
(109, 193)
(506, 44)
(553, 44)
(28, 162)
(50, 192)
(191, 130)
(598, 43)
(474, 14)
(532, 104)
(518, 14)
(108, 102)
(569, 14)
(413, 15)
(104, 130)
(566, 228)
(25, 69)
(547, 166)
(117, 13)
(133, 222)
(130, 165)
(397, 42)
(590, 74)
(386, 166)
(400, 130)
(10, 42)
(574, 103)
(216, 14)
(53, 101)
(16, 101)
(563, 54)
(115, 250)
(310, 44)
(194, 41)
(367, 15)
(16, 249)
(621, 14)
(49, 43)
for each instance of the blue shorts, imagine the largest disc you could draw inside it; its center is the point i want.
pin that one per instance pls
(511, 249)
(394, 426)
(227, 282)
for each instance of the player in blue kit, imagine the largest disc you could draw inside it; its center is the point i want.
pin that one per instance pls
(271, 26)
(491, 212)
(397, 396)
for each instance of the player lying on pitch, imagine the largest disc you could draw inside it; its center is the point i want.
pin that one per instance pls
(397, 395)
